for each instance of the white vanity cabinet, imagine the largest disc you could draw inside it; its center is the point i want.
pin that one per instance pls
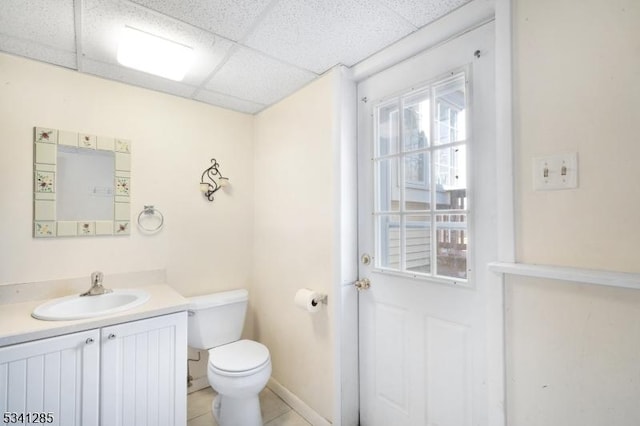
(143, 372)
(129, 374)
(59, 375)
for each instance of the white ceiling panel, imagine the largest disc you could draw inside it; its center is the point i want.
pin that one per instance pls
(318, 34)
(137, 78)
(421, 12)
(33, 50)
(228, 18)
(47, 22)
(229, 102)
(249, 54)
(103, 22)
(253, 76)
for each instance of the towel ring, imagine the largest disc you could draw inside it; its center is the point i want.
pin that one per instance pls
(148, 212)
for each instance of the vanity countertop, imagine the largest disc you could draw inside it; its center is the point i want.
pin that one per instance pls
(18, 326)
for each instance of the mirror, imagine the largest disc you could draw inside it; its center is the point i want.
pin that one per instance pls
(85, 184)
(81, 184)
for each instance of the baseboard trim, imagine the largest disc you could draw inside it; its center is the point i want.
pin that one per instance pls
(297, 404)
(198, 384)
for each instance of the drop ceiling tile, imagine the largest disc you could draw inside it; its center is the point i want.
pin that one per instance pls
(42, 30)
(228, 18)
(137, 78)
(318, 34)
(47, 22)
(104, 21)
(255, 77)
(229, 102)
(420, 12)
(33, 50)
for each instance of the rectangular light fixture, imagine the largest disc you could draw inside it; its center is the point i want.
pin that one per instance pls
(154, 55)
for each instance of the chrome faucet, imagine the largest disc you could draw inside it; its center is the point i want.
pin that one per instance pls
(96, 285)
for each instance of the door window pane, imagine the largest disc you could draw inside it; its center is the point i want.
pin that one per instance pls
(451, 245)
(418, 244)
(387, 185)
(417, 181)
(451, 177)
(389, 242)
(416, 119)
(388, 131)
(450, 119)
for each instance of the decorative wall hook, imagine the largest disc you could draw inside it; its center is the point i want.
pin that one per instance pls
(216, 180)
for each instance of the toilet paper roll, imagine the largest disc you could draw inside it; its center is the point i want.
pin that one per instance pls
(308, 300)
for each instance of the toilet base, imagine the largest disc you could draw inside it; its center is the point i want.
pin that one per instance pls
(230, 411)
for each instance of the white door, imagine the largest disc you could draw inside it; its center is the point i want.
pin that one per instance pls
(51, 381)
(427, 205)
(144, 372)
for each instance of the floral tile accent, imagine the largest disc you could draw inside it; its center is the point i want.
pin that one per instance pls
(122, 228)
(44, 229)
(46, 135)
(122, 185)
(87, 141)
(123, 145)
(45, 181)
(86, 228)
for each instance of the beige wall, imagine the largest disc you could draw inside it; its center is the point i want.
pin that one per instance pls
(573, 349)
(577, 71)
(294, 239)
(204, 246)
(573, 354)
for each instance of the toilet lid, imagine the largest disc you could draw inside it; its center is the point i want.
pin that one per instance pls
(239, 356)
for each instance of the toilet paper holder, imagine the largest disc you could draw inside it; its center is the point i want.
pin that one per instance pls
(321, 298)
(309, 300)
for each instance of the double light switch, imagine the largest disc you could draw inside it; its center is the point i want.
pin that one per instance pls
(555, 172)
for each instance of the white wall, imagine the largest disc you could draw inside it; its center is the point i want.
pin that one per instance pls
(572, 349)
(295, 225)
(204, 246)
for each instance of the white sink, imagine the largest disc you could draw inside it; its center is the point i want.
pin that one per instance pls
(79, 307)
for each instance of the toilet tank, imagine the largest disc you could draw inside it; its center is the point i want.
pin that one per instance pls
(216, 319)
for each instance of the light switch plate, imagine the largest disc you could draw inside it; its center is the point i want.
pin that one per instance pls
(555, 172)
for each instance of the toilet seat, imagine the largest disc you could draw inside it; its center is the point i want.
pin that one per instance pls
(241, 358)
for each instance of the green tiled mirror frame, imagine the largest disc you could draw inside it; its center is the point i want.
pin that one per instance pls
(45, 149)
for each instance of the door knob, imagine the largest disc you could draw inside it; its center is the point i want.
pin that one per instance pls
(362, 284)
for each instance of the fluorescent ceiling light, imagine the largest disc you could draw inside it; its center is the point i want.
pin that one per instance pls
(155, 55)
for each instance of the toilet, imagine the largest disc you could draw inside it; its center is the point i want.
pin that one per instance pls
(238, 369)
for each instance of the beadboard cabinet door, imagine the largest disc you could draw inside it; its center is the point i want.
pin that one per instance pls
(143, 372)
(58, 375)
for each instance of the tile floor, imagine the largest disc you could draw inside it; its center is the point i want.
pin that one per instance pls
(275, 412)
